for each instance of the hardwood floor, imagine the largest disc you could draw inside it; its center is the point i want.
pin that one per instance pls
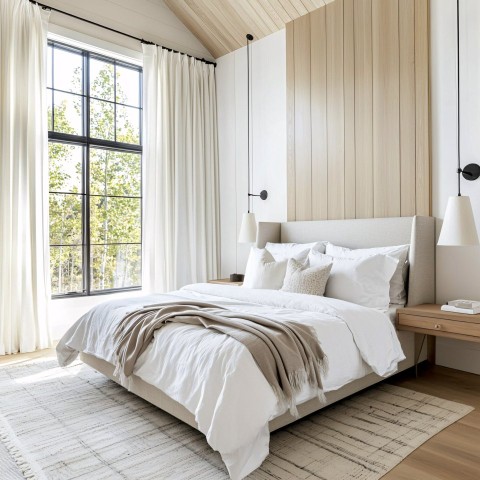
(453, 454)
(24, 357)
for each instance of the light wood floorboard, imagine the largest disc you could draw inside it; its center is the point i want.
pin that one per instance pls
(25, 357)
(452, 454)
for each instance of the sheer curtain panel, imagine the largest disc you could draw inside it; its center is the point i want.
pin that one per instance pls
(24, 275)
(180, 229)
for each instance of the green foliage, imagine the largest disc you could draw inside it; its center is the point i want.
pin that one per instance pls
(112, 220)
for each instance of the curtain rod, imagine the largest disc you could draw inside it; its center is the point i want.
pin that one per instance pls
(47, 7)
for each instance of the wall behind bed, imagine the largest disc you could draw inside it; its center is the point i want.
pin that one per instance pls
(358, 111)
(340, 125)
(268, 141)
(458, 268)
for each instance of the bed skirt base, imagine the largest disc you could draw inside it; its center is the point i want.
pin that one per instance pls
(143, 389)
(160, 399)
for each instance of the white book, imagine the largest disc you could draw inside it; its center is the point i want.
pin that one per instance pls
(464, 303)
(468, 311)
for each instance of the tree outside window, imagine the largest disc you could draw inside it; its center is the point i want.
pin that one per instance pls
(95, 172)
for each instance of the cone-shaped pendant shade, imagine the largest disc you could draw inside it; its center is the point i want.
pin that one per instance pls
(248, 230)
(458, 227)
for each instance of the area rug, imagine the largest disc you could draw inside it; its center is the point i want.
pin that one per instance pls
(73, 423)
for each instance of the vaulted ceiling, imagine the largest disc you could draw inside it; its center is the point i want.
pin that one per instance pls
(221, 25)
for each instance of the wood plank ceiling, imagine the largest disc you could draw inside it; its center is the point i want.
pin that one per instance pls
(221, 25)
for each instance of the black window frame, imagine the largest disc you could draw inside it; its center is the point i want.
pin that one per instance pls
(88, 142)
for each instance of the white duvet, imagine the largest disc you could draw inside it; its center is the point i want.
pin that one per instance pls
(216, 378)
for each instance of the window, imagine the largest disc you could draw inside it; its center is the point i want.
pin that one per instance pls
(95, 163)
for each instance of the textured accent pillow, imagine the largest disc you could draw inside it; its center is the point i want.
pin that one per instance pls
(305, 279)
(299, 251)
(263, 271)
(364, 281)
(398, 294)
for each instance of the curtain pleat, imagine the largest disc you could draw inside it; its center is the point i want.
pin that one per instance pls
(24, 260)
(180, 209)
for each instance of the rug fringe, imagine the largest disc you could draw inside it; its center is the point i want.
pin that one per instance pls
(10, 441)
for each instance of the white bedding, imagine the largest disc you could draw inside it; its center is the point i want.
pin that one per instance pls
(392, 312)
(216, 378)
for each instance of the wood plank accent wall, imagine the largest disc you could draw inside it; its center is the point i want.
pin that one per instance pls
(358, 111)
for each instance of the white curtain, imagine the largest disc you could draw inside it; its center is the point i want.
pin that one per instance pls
(180, 227)
(24, 276)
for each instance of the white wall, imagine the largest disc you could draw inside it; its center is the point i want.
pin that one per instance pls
(268, 138)
(65, 311)
(458, 268)
(148, 19)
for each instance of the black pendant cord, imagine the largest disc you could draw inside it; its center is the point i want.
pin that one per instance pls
(471, 171)
(133, 37)
(249, 37)
(459, 169)
(263, 194)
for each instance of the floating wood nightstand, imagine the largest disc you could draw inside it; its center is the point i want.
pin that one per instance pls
(432, 322)
(226, 281)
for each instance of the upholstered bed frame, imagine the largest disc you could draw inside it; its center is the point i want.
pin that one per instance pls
(419, 232)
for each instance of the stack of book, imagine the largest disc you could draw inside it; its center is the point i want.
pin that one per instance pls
(462, 306)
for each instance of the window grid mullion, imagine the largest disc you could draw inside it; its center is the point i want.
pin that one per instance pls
(98, 195)
(86, 199)
(140, 139)
(115, 101)
(68, 92)
(53, 88)
(95, 142)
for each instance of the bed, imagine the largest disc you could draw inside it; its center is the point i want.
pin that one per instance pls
(212, 384)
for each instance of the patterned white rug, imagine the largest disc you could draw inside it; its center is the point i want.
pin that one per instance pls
(73, 423)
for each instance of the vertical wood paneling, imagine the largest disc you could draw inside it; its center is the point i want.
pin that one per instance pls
(319, 115)
(303, 130)
(349, 99)
(407, 107)
(335, 109)
(423, 169)
(291, 184)
(386, 108)
(363, 108)
(358, 106)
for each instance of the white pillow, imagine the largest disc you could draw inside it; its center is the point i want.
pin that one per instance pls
(305, 279)
(299, 251)
(398, 294)
(263, 271)
(364, 281)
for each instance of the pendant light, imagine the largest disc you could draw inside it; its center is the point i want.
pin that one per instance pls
(248, 229)
(458, 227)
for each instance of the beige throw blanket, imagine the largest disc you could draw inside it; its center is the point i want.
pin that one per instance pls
(287, 353)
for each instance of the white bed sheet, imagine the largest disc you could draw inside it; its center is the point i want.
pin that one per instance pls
(392, 312)
(208, 372)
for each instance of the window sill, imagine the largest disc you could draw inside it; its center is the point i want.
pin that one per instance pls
(96, 294)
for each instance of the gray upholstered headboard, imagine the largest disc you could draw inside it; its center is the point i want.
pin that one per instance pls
(419, 232)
